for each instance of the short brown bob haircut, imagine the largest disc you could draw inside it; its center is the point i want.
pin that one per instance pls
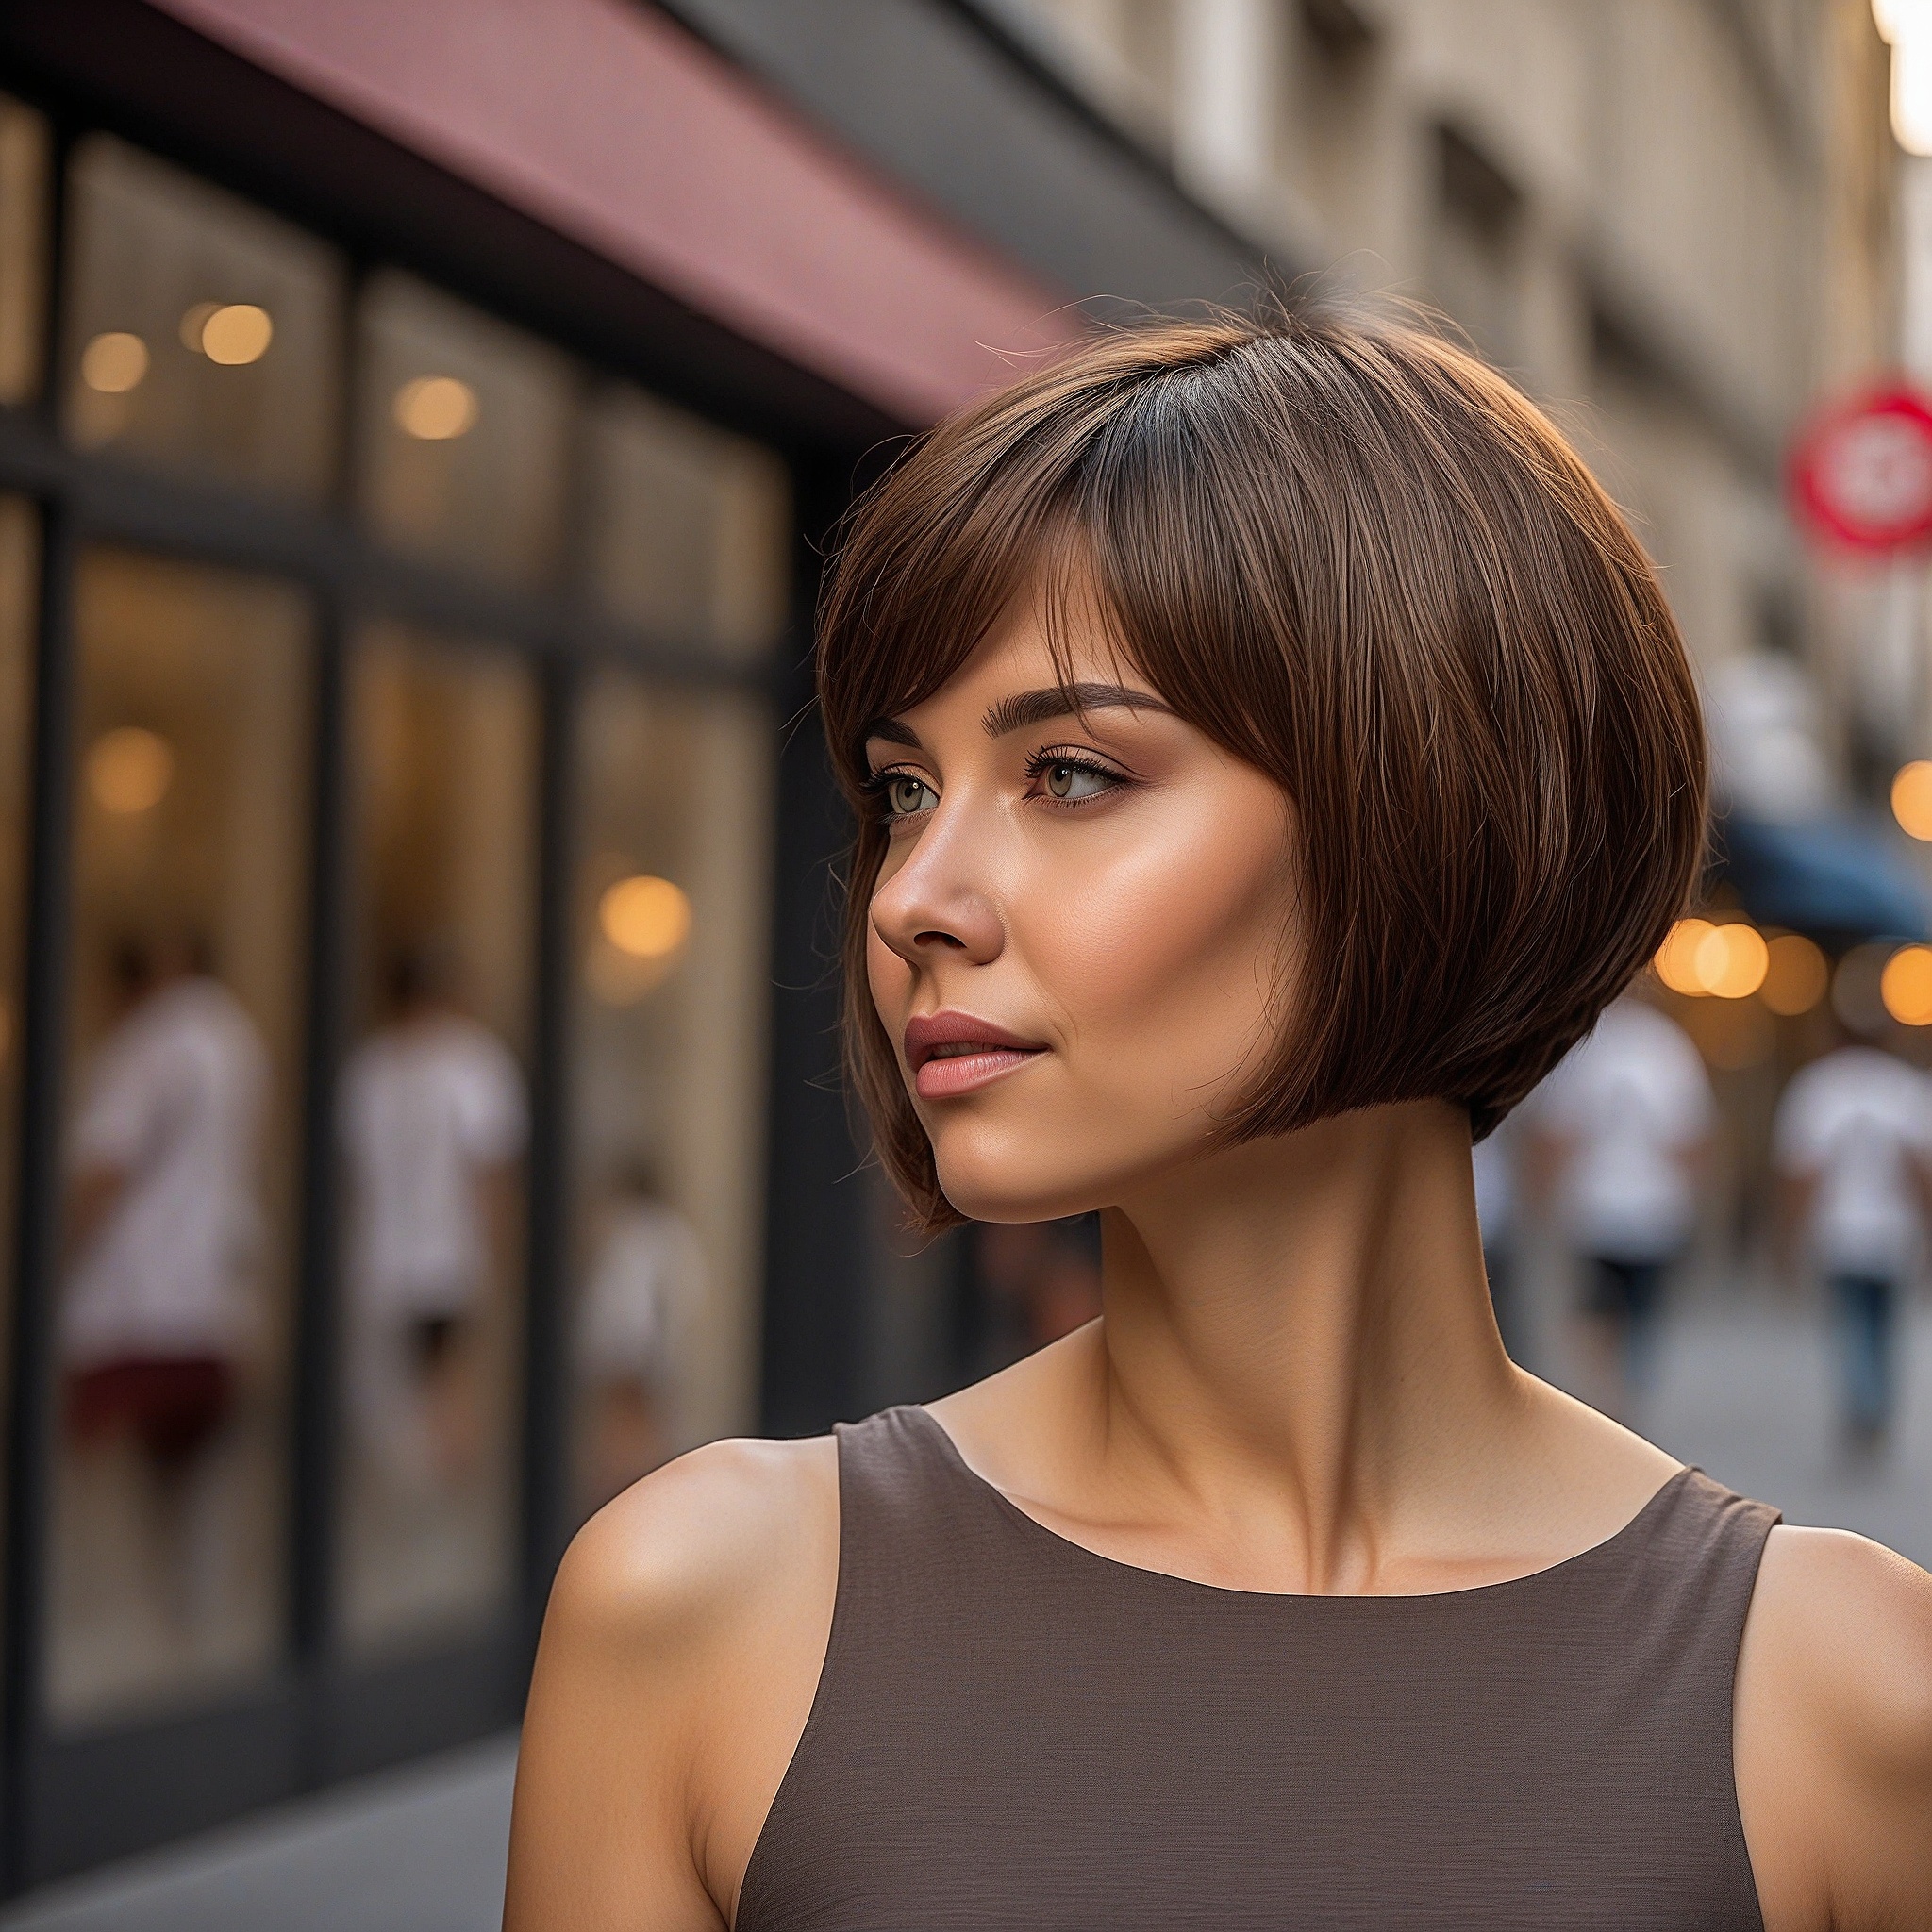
(1359, 560)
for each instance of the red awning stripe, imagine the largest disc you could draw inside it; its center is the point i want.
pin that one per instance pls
(609, 123)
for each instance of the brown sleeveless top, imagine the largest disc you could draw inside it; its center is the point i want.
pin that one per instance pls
(1013, 1732)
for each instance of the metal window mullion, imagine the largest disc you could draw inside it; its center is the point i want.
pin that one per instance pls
(315, 1352)
(38, 1235)
(546, 1406)
(32, 1363)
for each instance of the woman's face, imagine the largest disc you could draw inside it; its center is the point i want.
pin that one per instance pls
(1080, 929)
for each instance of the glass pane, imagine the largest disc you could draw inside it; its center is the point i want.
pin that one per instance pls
(690, 528)
(668, 1021)
(464, 434)
(190, 861)
(202, 333)
(431, 1111)
(22, 249)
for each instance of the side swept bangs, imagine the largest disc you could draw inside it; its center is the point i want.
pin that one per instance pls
(1357, 559)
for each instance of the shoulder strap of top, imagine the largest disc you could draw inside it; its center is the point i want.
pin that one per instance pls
(911, 1516)
(1694, 1552)
(1668, 1638)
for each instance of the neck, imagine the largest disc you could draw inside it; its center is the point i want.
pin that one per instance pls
(1298, 1336)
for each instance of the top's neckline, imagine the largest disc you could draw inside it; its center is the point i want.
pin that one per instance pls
(949, 1450)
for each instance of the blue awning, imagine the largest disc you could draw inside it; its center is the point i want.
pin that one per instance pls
(1841, 878)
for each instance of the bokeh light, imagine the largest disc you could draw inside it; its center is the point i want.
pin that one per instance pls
(645, 917)
(237, 333)
(1906, 986)
(1726, 962)
(1677, 958)
(1732, 962)
(114, 362)
(129, 770)
(435, 409)
(1795, 977)
(1911, 798)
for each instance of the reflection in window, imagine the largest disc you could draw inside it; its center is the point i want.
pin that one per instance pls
(201, 333)
(688, 527)
(186, 989)
(22, 249)
(431, 1116)
(464, 434)
(667, 1072)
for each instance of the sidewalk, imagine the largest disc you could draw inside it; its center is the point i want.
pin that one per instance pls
(419, 1849)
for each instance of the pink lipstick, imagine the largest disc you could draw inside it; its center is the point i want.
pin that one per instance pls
(951, 1054)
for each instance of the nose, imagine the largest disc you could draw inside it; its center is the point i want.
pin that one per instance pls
(935, 906)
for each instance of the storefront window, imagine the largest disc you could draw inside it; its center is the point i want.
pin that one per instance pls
(667, 1072)
(186, 986)
(202, 333)
(688, 527)
(22, 249)
(464, 434)
(432, 1120)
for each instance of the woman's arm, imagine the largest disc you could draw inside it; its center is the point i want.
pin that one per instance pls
(680, 1657)
(1834, 1734)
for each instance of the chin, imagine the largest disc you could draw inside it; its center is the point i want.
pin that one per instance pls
(1005, 1177)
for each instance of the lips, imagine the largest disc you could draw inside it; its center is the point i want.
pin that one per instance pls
(952, 1054)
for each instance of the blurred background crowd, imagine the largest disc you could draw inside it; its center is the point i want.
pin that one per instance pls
(420, 428)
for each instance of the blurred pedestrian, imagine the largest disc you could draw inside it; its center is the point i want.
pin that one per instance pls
(433, 1120)
(1853, 1143)
(1627, 1121)
(646, 1282)
(164, 1229)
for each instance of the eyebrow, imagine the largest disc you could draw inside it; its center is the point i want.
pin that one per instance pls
(1027, 708)
(1024, 707)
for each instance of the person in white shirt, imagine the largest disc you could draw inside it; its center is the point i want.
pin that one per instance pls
(433, 1119)
(645, 1284)
(164, 1221)
(1627, 1121)
(1853, 1145)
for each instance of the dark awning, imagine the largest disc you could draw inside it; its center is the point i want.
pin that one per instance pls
(1837, 879)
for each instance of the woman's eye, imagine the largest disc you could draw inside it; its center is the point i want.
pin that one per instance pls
(905, 795)
(1064, 780)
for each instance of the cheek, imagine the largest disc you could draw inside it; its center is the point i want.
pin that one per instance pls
(1167, 960)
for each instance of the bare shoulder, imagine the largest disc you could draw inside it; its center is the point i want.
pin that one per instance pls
(1843, 1627)
(1834, 1732)
(680, 1656)
(703, 1541)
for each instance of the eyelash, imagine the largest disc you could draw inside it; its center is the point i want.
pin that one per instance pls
(1040, 761)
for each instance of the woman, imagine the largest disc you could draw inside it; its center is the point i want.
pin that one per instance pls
(1272, 752)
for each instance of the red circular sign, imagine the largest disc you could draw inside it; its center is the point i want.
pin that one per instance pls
(1862, 473)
